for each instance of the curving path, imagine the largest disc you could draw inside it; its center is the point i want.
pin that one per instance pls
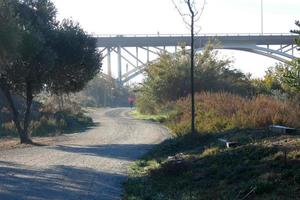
(89, 165)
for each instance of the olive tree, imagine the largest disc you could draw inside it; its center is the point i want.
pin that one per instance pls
(49, 55)
(9, 33)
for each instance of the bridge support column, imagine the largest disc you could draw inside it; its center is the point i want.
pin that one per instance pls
(119, 64)
(148, 56)
(137, 56)
(109, 61)
(127, 69)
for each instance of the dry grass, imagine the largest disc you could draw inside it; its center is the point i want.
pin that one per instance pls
(223, 111)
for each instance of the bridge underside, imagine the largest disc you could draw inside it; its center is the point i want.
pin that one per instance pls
(137, 52)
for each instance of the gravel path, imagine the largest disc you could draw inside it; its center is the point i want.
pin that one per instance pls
(89, 165)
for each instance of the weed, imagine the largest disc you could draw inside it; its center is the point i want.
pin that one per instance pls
(255, 169)
(217, 112)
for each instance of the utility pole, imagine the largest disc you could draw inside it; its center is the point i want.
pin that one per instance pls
(262, 16)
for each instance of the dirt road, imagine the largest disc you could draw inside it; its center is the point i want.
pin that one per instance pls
(89, 165)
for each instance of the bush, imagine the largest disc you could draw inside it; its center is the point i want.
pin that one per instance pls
(50, 124)
(51, 116)
(217, 112)
(146, 105)
(8, 129)
(60, 122)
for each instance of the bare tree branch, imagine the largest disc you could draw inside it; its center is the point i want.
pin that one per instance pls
(187, 12)
(183, 15)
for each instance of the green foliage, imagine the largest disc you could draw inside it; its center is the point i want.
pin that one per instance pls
(297, 32)
(282, 81)
(146, 103)
(291, 77)
(272, 78)
(168, 78)
(290, 74)
(35, 57)
(155, 118)
(9, 32)
(37, 53)
(77, 59)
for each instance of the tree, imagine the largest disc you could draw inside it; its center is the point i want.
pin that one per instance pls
(292, 71)
(281, 81)
(190, 18)
(78, 60)
(291, 76)
(297, 32)
(167, 79)
(286, 76)
(9, 33)
(40, 64)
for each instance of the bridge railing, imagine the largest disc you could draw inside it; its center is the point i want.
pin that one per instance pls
(186, 35)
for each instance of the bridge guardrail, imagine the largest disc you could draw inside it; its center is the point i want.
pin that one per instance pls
(186, 35)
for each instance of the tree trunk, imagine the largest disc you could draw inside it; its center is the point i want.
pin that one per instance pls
(12, 107)
(23, 133)
(24, 138)
(192, 69)
(29, 97)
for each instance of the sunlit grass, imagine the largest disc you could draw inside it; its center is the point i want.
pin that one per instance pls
(156, 118)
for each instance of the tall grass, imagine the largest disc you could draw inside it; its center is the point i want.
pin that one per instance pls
(49, 119)
(217, 112)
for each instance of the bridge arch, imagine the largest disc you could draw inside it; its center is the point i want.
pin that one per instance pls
(282, 57)
(276, 55)
(276, 46)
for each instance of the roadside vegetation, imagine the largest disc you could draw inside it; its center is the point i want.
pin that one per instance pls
(218, 112)
(155, 118)
(264, 166)
(230, 106)
(41, 55)
(50, 116)
(49, 69)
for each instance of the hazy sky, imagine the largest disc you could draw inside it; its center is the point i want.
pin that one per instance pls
(152, 16)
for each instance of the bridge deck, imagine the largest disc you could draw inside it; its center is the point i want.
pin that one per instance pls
(175, 40)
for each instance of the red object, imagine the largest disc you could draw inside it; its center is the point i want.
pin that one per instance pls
(131, 100)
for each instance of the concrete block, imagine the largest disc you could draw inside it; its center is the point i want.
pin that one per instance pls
(282, 129)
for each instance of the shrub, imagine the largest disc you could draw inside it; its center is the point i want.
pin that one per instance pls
(217, 112)
(146, 105)
(8, 129)
(51, 124)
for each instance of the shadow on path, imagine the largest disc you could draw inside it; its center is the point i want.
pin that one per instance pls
(127, 152)
(59, 182)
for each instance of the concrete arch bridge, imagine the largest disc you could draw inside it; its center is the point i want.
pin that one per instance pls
(138, 50)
